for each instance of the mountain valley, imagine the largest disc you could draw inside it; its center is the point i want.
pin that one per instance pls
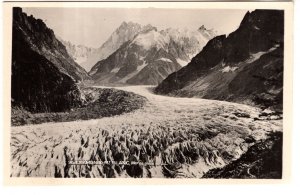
(149, 103)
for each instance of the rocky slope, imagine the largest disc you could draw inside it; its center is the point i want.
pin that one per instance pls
(150, 56)
(263, 160)
(98, 103)
(44, 76)
(79, 53)
(245, 67)
(125, 32)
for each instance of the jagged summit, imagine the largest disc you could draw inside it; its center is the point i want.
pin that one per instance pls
(201, 28)
(125, 32)
(130, 31)
(126, 25)
(123, 24)
(150, 56)
(129, 23)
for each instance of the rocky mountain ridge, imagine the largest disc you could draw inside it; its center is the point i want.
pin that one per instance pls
(44, 76)
(125, 32)
(150, 56)
(245, 67)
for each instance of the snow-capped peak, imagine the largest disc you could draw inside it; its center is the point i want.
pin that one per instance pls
(151, 39)
(202, 28)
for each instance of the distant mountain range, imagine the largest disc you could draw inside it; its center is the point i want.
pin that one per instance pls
(245, 67)
(87, 57)
(179, 44)
(150, 56)
(44, 76)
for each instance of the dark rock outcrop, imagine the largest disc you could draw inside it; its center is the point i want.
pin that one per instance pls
(99, 103)
(44, 76)
(263, 160)
(245, 67)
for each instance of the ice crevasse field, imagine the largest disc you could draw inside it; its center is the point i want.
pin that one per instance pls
(167, 137)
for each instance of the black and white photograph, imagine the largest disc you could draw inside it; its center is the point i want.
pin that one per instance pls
(111, 92)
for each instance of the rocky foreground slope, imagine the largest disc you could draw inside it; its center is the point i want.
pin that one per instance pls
(44, 77)
(263, 160)
(245, 67)
(98, 103)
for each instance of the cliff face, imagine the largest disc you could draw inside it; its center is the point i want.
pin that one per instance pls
(259, 31)
(44, 76)
(42, 40)
(245, 67)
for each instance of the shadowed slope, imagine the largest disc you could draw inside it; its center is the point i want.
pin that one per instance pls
(245, 67)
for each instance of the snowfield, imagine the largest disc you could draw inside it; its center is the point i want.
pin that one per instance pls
(168, 137)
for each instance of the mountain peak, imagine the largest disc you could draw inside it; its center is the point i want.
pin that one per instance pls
(202, 28)
(208, 33)
(148, 28)
(130, 23)
(123, 24)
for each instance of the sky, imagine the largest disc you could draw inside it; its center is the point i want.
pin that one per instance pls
(92, 26)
